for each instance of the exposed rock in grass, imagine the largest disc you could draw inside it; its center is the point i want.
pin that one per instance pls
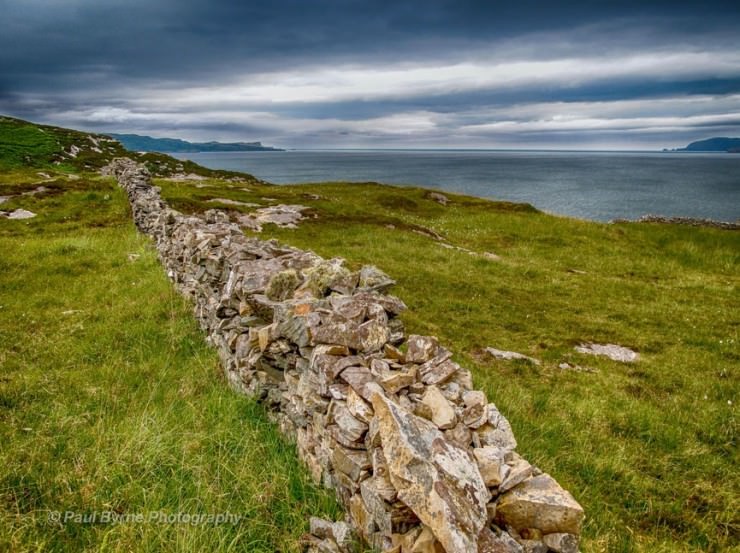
(438, 197)
(18, 214)
(612, 351)
(186, 177)
(511, 355)
(285, 216)
(228, 201)
(576, 368)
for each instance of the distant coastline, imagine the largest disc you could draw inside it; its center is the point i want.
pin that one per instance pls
(716, 144)
(142, 143)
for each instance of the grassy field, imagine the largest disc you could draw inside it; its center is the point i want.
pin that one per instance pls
(110, 401)
(650, 449)
(118, 403)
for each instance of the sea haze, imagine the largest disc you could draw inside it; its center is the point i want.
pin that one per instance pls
(590, 185)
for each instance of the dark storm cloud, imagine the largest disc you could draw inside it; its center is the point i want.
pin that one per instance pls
(227, 68)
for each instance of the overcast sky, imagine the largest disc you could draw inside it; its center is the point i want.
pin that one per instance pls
(350, 73)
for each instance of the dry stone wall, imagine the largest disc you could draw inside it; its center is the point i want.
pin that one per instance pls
(420, 460)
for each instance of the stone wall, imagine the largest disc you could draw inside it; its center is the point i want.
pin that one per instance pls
(420, 460)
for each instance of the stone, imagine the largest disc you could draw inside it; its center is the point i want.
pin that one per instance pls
(561, 542)
(443, 414)
(540, 503)
(351, 427)
(393, 353)
(358, 377)
(437, 480)
(373, 279)
(426, 543)
(359, 408)
(376, 506)
(490, 462)
(437, 373)
(533, 546)
(372, 335)
(517, 471)
(394, 381)
(438, 197)
(350, 461)
(460, 435)
(322, 276)
(612, 351)
(18, 214)
(489, 542)
(361, 517)
(511, 355)
(282, 285)
(421, 348)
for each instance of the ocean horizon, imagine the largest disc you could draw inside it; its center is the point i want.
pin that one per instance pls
(599, 185)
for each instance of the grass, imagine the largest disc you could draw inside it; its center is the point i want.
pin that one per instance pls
(649, 449)
(126, 408)
(110, 400)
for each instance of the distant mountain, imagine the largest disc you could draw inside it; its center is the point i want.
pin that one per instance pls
(139, 143)
(717, 144)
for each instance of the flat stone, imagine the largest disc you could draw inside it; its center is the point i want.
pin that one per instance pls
(540, 503)
(518, 470)
(359, 408)
(490, 463)
(394, 381)
(437, 480)
(353, 428)
(443, 414)
(612, 351)
(373, 279)
(437, 373)
(561, 542)
(350, 461)
(511, 355)
(358, 377)
(489, 542)
(421, 348)
(18, 214)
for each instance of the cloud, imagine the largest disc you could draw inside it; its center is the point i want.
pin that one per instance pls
(360, 73)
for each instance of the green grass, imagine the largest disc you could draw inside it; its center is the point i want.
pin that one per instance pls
(110, 401)
(119, 404)
(649, 449)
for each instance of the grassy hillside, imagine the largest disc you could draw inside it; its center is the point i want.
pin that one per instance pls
(650, 449)
(110, 400)
(106, 388)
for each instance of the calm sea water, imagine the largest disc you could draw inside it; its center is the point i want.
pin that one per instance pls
(589, 185)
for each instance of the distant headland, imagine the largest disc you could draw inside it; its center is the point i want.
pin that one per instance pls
(140, 143)
(716, 144)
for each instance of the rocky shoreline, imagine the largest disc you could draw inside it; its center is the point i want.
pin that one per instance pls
(690, 221)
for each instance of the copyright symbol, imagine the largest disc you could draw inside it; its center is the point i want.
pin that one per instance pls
(55, 516)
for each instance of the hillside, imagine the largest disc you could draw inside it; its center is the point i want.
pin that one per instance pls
(717, 144)
(108, 389)
(139, 143)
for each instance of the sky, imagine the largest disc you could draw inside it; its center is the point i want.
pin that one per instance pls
(382, 74)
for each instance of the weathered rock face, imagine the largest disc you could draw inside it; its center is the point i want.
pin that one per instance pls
(421, 461)
(438, 480)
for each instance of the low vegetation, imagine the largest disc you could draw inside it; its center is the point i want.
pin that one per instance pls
(107, 388)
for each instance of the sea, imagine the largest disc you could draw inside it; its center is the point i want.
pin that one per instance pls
(600, 186)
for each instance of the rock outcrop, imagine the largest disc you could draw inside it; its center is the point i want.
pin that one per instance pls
(420, 460)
